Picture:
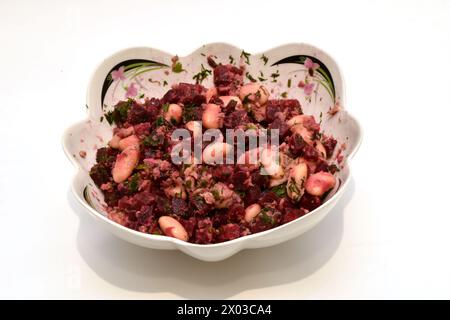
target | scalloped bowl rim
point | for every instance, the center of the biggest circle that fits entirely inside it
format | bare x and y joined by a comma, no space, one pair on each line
243,239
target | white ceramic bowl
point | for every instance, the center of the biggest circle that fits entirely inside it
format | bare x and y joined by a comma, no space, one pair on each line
148,70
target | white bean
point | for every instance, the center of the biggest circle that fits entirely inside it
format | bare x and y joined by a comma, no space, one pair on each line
172,228
174,113
195,127
129,141
321,149
254,93
223,196
216,153
125,163
319,183
176,191
212,117
303,132
296,181
252,211
114,142
226,100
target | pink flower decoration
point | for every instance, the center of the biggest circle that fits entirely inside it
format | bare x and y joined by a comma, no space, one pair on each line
132,90
309,64
308,88
118,74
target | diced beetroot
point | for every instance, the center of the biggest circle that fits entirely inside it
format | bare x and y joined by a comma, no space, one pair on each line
281,126
100,173
268,197
185,93
252,195
229,231
106,156
179,206
227,79
310,153
329,143
222,173
236,118
236,212
145,215
190,225
282,109
296,144
238,178
137,113
310,202
293,214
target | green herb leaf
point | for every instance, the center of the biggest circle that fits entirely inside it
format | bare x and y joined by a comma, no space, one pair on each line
216,195
133,183
230,57
120,112
265,217
265,59
274,76
250,77
284,94
280,190
246,56
177,67
159,121
202,75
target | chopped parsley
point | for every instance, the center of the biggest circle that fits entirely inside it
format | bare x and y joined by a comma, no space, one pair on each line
267,219
189,112
165,83
151,141
188,184
202,75
141,166
265,59
141,96
216,195
246,99
250,77
230,57
261,76
120,112
246,56
177,67
293,188
165,107
133,183
284,94
159,121
289,83
274,76
280,190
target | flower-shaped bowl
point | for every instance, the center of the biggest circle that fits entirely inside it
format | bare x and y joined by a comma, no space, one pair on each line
143,71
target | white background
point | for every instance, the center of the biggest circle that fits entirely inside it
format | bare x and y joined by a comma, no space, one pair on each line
388,238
